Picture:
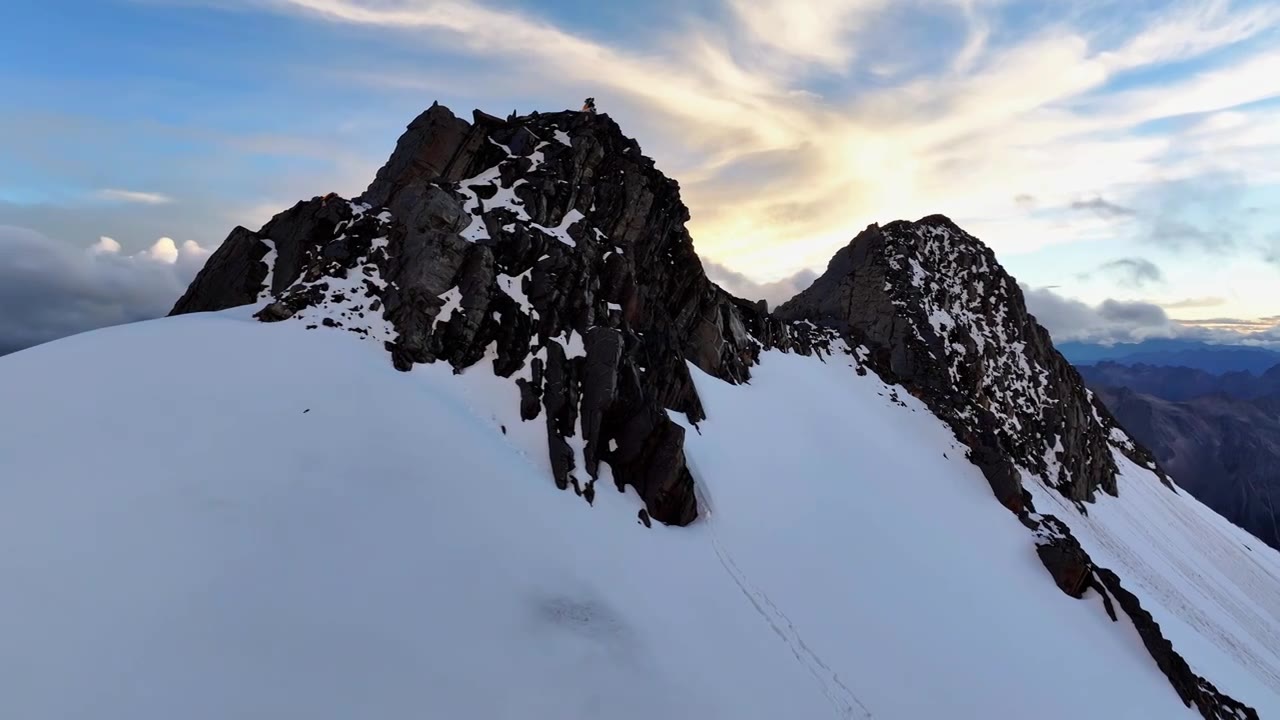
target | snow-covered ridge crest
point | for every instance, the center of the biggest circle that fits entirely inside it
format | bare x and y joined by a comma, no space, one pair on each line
547,244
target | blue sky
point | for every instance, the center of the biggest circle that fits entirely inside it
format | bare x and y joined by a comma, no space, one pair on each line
1124,151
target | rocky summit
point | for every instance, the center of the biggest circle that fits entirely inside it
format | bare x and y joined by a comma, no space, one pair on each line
941,316
551,247
550,238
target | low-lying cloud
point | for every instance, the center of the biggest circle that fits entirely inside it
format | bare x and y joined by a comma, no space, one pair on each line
1115,321
50,289
1108,322
774,293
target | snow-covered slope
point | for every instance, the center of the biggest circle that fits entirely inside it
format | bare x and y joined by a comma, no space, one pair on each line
210,517
246,511
937,313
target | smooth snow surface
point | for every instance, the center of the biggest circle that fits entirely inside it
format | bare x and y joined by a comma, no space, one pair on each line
206,517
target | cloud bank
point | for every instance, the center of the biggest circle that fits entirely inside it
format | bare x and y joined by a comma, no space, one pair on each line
49,289
1115,321
133,196
774,293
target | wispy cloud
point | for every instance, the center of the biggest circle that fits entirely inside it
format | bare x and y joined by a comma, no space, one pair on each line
1109,321
1190,29
792,125
1238,326
1133,272
1195,302
806,30
133,196
1103,208
737,104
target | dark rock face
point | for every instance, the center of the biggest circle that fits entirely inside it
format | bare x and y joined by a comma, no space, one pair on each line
548,244
426,151
232,276
940,316
1063,557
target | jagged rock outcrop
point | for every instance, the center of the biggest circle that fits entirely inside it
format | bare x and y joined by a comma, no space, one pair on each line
940,316
233,275
548,243
1066,561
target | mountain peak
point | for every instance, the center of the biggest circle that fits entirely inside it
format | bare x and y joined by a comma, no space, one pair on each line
548,241
546,259
940,315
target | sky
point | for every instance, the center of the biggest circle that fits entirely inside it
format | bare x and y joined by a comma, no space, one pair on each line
1121,157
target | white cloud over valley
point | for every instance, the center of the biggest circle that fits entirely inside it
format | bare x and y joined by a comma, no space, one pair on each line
50,289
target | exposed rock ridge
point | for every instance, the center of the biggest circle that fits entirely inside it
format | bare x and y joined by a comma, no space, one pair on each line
548,243
941,317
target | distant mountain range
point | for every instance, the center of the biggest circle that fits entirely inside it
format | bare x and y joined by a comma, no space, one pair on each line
1217,435
1183,383
1170,352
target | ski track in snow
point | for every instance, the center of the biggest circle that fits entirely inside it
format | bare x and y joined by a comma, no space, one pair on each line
838,694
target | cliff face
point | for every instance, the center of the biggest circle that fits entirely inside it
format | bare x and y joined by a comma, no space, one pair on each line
547,243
